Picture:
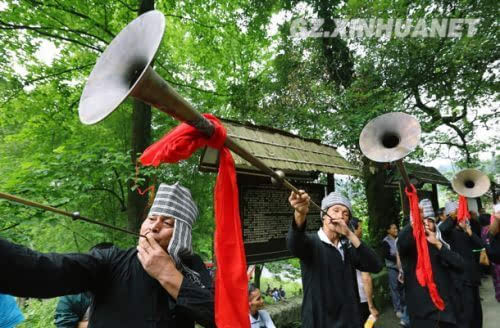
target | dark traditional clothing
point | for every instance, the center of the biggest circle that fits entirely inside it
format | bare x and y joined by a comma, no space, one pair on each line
467,282
71,309
494,249
124,295
331,296
419,303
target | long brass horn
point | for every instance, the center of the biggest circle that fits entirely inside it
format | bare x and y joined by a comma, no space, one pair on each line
470,183
124,70
389,138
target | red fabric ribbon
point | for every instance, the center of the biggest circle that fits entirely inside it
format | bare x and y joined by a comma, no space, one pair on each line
424,268
463,209
231,283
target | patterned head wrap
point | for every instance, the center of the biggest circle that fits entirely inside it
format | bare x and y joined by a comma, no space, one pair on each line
175,201
427,208
335,198
450,207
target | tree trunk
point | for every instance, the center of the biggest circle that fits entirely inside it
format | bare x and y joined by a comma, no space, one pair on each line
141,138
383,207
258,273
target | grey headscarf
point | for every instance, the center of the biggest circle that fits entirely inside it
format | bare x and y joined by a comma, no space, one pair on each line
335,198
426,206
450,207
175,201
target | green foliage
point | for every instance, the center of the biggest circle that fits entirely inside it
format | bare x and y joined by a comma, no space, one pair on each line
285,269
39,313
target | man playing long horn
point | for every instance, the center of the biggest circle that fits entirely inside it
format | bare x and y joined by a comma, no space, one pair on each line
422,310
159,283
328,260
463,240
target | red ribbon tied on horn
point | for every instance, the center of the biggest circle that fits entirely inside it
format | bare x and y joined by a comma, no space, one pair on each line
463,209
424,269
231,283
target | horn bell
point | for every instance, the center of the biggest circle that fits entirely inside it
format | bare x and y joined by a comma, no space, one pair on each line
471,183
390,137
121,66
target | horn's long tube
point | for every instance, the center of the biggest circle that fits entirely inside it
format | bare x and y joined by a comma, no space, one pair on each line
154,90
74,216
402,171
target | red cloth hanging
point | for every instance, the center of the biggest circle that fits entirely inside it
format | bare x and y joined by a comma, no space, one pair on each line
463,209
231,283
424,268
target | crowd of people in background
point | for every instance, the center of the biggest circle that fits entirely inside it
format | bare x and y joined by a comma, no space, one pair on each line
277,294
444,293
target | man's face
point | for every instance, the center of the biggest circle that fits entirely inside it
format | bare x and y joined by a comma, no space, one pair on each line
429,224
393,230
255,301
453,215
335,212
338,212
160,227
473,215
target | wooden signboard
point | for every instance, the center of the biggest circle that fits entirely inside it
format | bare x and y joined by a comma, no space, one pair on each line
266,216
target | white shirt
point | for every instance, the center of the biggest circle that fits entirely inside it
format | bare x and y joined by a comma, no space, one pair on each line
361,290
322,236
263,320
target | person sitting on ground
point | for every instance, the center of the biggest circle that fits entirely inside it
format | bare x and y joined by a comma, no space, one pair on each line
276,294
282,293
258,318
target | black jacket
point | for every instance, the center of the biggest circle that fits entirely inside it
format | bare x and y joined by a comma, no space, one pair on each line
443,262
463,244
386,252
124,294
330,288
494,249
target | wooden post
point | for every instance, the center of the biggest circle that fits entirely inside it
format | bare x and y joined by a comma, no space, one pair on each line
434,200
330,182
